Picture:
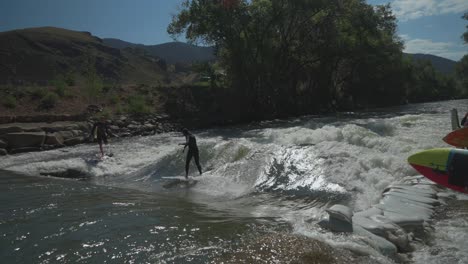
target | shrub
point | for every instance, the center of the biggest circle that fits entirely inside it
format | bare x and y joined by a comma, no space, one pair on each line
37,92
70,79
60,87
137,105
49,101
9,101
114,99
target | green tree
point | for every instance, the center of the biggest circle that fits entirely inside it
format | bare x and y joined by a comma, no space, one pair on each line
291,57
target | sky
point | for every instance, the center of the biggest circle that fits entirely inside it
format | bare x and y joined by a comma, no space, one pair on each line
427,26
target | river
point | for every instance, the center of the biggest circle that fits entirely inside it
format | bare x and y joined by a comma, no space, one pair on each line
271,179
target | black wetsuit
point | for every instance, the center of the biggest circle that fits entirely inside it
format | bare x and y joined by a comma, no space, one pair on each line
102,131
192,152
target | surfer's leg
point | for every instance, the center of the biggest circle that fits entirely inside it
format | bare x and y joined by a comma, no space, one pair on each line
102,150
99,140
197,161
187,163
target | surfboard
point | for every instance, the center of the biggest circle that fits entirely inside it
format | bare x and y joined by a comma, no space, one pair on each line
457,138
173,181
444,166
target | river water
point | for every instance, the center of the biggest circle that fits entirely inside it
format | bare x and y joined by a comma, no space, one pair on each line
270,179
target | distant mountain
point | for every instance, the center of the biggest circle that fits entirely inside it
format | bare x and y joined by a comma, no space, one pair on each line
442,65
40,54
172,52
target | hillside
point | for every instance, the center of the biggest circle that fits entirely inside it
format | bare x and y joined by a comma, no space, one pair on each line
38,55
172,52
442,65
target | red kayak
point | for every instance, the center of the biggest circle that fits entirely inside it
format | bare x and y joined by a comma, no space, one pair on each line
457,138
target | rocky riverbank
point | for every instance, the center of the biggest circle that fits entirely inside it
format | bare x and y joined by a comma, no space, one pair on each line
50,132
398,223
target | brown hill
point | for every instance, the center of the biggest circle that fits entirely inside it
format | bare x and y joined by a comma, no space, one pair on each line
38,55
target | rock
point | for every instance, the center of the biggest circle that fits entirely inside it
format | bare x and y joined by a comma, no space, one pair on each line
24,139
407,222
3,152
382,245
3,144
340,212
340,218
25,149
114,128
369,212
133,127
148,127
73,141
406,208
66,134
446,195
93,109
34,129
7,119
54,139
10,129
381,226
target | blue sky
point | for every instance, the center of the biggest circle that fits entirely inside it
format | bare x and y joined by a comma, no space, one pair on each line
427,26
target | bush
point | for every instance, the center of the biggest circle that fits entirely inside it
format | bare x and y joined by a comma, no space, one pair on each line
114,99
60,88
70,79
9,101
138,105
37,92
49,101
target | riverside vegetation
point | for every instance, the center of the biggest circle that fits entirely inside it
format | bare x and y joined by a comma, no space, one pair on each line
273,59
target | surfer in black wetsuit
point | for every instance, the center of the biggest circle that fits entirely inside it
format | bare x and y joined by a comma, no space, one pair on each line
102,132
191,142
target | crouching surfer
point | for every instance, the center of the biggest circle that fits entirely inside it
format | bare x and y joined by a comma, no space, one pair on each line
191,143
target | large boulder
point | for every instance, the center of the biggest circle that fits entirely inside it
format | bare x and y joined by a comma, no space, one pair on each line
74,141
54,139
69,134
25,149
384,246
24,139
10,129
3,144
340,218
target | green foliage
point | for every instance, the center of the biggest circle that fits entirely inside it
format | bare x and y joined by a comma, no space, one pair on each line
70,79
114,99
9,101
60,86
106,114
297,56
138,105
49,101
37,93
